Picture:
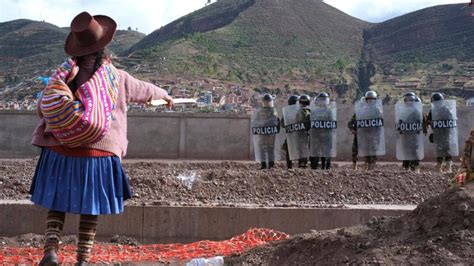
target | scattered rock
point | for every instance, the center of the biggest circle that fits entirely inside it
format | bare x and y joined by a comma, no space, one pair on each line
123,240
242,183
396,241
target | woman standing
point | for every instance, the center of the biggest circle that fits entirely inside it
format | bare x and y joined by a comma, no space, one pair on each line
83,135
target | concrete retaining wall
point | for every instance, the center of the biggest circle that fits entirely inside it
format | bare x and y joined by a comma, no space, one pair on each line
200,136
188,224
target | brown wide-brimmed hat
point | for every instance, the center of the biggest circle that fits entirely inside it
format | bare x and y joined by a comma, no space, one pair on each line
89,34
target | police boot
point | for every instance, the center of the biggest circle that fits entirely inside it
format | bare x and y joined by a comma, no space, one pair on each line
302,163
370,166
439,167
263,165
417,169
271,165
406,165
323,163
314,162
366,166
328,164
449,167
354,166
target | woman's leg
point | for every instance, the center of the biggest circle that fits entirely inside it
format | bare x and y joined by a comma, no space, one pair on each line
54,227
87,230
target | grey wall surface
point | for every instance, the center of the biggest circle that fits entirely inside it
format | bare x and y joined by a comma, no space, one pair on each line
165,224
16,129
203,136
188,136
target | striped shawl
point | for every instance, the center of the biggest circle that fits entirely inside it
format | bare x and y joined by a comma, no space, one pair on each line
83,117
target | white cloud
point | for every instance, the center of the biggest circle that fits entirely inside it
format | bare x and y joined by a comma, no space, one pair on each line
381,10
148,15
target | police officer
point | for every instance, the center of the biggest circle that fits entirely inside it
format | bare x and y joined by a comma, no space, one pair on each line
304,115
321,142
441,137
266,144
292,100
370,136
352,125
410,141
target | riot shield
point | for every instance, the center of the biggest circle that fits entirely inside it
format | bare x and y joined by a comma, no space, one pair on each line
370,128
409,126
445,129
265,127
296,132
323,130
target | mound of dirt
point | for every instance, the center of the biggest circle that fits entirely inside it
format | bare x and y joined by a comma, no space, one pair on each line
440,231
242,183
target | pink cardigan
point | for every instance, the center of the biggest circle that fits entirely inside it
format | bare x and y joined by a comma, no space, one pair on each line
115,141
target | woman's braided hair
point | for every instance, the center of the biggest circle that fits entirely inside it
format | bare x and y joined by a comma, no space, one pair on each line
99,59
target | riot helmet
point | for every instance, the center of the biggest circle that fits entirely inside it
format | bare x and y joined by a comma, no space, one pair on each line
267,100
437,97
371,95
322,99
305,100
293,99
409,97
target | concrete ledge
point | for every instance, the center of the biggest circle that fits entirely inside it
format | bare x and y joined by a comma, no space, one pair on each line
160,224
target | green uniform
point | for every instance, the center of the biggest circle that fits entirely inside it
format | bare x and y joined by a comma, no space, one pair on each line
304,115
352,125
284,147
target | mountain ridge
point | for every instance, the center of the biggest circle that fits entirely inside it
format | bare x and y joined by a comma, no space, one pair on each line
274,44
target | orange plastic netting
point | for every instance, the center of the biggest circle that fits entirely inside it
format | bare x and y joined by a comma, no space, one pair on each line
109,253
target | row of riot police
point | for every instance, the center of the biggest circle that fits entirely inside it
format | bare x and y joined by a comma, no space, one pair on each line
309,126
310,131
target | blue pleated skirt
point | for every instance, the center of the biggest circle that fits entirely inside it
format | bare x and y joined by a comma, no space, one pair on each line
80,185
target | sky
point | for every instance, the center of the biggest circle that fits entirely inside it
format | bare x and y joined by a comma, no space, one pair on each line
149,15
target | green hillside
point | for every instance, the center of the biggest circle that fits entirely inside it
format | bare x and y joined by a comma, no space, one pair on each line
265,42
29,49
273,44
425,51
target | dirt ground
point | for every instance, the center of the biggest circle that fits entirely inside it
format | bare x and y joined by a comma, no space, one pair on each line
37,241
440,231
242,183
